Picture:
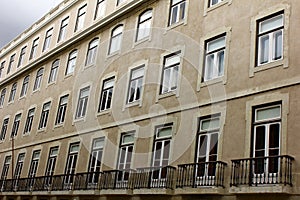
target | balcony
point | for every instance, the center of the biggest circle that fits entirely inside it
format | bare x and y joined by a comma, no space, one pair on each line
209,176
265,174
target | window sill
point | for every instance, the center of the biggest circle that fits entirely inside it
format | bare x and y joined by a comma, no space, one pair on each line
77,120
133,104
11,102
50,84
58,126
267,66
36,91
166,95
41,130
172,26
212,82
113,54
89,65
136,43
26,134
22,97
69,75
104,112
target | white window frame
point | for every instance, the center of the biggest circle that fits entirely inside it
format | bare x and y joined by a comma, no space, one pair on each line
81,14
62,110
100,9
116,39
54,71
176,9
71,62
144,25
92,52
38,79
82,103
106,89
25,86
47,40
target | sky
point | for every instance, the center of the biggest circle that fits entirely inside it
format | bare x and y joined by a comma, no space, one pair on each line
18,15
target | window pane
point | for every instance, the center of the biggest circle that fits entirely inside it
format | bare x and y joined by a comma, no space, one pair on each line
216,44
221,56
278,45
268,113
272,23
128,139
260,132
264,49
164,132
274,136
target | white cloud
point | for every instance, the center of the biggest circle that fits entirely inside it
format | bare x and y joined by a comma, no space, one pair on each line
18,15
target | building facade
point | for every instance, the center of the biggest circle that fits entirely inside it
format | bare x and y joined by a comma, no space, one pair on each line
143,99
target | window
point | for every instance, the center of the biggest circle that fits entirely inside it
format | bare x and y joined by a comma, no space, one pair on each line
92,52
51,165
2,97
120,1
4,129
214,2
214,58
71,62
270,39
34,164
63,29
100,9
12,92
44,115
47,39
71,164
34,48
2,68
177,11
116,39
16,125
19,166
106,94
135,84
95,160
266,139
25,86
82,102
29,121
5,168
80,18
22,56
144,25
62,108
125,155
170,73
207,146
38,79
53,71
11,62
161,151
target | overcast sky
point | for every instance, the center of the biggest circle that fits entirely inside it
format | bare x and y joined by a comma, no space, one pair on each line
18,15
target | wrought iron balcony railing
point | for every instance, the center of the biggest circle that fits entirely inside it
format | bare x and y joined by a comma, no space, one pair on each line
270,170
87,181
201,174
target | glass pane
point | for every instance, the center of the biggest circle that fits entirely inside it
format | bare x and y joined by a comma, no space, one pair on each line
137,73
108,83
264,49
268,113
166,150
203,146
216,44
260,132
74,148
209,66
129,138
221,56
172,60
210,124
270,24
98,143
146,15
213,144
164,132
274,136
278,45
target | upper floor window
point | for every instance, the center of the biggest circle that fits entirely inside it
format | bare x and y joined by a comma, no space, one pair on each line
29,121
95,160
270,39
214,58
22,56
34,48
16,125
135,84
4,128
2,97
92,52
44,115
25,86
177,11
12,92
2,68
11,62
144,25
63,29
170,73
5,168
106,94
51,163
47,39
100,9
33,167
214,2
80,18
71,62
53,71
82,102
116,39
38,79
62,109
120,1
